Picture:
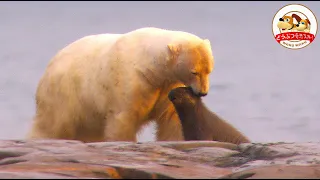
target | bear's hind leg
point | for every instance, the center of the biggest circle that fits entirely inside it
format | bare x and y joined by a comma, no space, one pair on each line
40,129
35,132
54,124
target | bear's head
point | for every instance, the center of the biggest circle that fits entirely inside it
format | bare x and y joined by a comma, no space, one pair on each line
193,64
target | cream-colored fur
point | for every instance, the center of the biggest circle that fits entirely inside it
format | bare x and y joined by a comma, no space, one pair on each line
106,87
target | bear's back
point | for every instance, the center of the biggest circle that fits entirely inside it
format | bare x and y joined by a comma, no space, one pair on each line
158,37
159,31
83,49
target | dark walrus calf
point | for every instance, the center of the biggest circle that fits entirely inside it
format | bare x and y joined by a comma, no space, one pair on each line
198,122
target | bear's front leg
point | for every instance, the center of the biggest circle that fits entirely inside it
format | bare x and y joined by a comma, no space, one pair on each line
169,127
121,127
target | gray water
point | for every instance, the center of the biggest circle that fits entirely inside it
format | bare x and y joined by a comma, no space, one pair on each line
267,91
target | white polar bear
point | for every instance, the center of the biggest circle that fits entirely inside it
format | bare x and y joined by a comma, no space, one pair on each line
106,87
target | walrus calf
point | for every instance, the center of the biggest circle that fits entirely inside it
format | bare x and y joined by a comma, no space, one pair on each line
198,122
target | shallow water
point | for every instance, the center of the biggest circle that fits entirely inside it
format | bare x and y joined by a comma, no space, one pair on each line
267,91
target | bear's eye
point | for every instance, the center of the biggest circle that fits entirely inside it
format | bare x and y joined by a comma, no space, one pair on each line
194,73
302,23
287,19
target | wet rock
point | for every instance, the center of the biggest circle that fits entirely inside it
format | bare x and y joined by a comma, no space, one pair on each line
265,152
13,152
28,175
184,145
278,171
39,159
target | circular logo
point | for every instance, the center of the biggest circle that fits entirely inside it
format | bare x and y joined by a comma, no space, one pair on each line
294,26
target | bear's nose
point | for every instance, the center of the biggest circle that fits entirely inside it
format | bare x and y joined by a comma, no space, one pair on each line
280,19
202,94
297,25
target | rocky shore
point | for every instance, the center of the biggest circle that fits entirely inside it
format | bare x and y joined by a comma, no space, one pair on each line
62,159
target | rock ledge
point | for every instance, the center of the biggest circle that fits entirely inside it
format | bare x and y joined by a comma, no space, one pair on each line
62,159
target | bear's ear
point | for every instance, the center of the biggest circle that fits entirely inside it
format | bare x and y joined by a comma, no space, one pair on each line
207,42
175,49
308,21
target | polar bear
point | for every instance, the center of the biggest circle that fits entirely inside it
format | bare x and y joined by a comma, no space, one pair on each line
106,87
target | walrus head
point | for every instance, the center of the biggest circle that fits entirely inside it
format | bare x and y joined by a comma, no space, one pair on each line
183,97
